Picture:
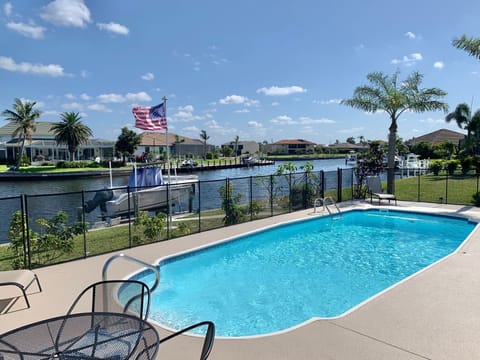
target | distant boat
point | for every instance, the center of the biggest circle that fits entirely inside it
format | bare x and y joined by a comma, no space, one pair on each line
413,165
351,158
147,190
251,160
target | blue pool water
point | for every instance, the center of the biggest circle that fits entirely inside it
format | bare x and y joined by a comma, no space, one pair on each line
280,277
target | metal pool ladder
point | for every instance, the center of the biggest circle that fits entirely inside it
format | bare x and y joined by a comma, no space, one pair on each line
135,260
325,202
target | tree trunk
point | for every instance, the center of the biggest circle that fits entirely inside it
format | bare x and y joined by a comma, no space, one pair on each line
20,155
392,141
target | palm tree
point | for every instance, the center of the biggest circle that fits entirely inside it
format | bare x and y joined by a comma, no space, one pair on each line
23,116
178,141
463,116
235,144
71,132
395,97
470,45
204,137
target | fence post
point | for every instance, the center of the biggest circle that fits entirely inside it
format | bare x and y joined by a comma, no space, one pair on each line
199,206
24,222
351,182
290,192
251,198
418,188
169,211
446,189
271,194
129,218
84,226
28,254
339,184
305,192
322,179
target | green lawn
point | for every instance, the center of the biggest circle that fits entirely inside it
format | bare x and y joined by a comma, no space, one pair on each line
459,189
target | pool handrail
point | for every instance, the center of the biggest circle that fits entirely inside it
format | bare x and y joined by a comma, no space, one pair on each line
135,260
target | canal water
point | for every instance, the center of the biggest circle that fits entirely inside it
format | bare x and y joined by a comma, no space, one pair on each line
15,188
46,197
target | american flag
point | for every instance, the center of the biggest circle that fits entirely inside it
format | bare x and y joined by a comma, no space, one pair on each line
150,118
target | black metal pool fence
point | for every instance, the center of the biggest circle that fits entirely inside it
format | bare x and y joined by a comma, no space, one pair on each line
41,238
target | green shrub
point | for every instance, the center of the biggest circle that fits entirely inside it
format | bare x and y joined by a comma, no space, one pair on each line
451,166
75,164
435,166
466,164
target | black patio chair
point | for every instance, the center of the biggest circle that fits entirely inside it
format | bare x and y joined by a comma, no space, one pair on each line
208,339
108,320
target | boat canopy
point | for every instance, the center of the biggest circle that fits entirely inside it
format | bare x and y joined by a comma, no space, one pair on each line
151,176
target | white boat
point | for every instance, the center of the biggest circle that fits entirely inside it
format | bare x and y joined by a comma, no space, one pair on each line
147,190
412,165
251,160
351,158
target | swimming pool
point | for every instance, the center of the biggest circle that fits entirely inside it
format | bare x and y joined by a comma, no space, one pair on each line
280,277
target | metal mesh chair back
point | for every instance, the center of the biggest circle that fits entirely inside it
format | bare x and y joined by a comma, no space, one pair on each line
114,296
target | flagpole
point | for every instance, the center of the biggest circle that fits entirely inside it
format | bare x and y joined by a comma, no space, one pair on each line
169,186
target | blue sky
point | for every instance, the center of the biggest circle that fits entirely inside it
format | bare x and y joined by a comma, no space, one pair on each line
262,70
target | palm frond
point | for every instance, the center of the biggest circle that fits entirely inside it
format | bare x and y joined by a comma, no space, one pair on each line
470,45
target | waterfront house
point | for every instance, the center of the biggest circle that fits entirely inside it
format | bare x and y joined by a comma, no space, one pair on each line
179,146
437,137
290,147
243,147
43,147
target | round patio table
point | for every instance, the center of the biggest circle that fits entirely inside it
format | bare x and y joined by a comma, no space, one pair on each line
96,335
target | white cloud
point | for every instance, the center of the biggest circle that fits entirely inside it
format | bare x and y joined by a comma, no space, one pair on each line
283,120
73,106
99,107
410,35
185,113
188,108
85,97
254,124
433,121
70,96
66,13
31,31
7,9
438,64
213,124
191,129
114,28
84,74
148,76
9,64
408,60
275,103
281,91
328,102
238,99
307,120
242,111
118,98
304,120
351,130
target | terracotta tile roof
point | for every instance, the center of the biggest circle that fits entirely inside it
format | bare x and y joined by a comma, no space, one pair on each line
293,142
438,137
158,139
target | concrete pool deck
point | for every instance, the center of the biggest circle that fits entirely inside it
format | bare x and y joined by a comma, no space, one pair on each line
434,315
